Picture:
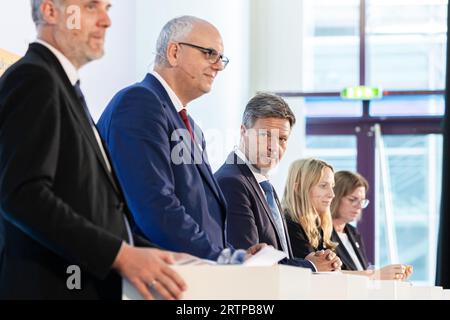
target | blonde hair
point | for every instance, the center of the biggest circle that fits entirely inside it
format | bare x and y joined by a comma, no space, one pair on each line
345,183
303,176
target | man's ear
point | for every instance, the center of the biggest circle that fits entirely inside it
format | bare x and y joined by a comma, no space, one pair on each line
243,130
243,134
50,12
172,54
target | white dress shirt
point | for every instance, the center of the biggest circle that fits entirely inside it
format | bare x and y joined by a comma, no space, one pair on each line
172,95
256,173
259,178
346,242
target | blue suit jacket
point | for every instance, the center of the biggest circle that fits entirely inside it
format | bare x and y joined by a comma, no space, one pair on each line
169,186
249,219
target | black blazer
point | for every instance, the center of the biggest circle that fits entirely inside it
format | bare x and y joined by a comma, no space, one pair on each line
299,240
249,219
358,245
59,205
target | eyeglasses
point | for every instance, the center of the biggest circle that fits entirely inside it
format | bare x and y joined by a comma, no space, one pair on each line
355,201
211,55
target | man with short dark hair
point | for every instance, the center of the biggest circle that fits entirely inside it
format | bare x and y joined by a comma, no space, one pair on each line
254,212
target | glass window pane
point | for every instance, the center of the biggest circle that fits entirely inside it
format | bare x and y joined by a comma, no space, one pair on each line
408,106
332,107
415,168
331,45
406,44
339,151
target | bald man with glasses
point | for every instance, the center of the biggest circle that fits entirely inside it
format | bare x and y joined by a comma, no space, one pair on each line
159,151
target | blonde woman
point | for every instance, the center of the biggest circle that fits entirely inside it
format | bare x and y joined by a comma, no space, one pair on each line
307,202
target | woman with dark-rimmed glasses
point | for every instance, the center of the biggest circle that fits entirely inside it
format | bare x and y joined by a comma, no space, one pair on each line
350,198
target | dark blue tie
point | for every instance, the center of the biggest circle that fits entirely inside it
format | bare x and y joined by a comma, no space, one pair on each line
80,96
270,197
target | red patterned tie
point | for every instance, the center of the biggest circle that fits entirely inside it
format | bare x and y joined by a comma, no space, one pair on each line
184,116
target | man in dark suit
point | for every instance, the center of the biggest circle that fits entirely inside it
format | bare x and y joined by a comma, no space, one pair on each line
253,209
159,151
66,233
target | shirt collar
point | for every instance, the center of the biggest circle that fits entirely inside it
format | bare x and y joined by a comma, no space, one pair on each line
173,97
68,67
256,173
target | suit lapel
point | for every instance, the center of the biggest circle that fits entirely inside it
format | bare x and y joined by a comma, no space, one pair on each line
245,170
197,148
343,253
199,152
357,247
88,132
75,106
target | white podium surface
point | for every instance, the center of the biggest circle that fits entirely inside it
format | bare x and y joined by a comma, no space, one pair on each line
281,282
446,294
338,286
239,283
424,293
387,289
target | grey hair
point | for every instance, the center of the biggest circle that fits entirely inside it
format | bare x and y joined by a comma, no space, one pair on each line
267,105
176,29
36,13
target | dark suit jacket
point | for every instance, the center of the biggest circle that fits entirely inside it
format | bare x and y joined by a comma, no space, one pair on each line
168,183
249,219
358,245
299,240
59,204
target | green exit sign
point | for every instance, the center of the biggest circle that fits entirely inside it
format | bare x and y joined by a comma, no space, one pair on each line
362,93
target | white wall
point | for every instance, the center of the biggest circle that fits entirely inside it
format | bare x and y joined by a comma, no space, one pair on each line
277,44
262,38
103,78
16,26
99,79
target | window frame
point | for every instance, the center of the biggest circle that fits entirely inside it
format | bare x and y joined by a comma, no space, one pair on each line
363,128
